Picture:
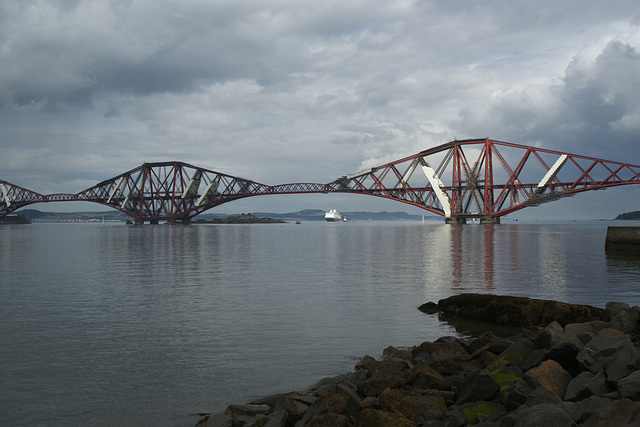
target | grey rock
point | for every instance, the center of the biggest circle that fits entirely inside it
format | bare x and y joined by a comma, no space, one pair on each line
364,362
246,410
533,358
545,414
454,416
625,321
550,335
215,420
482,388
498,345
583,409
359,376
433,351
353,403
584,331
621,412
612,309
587,384
614,353
277,419
542,395
325,385
629,386
550,375
392,353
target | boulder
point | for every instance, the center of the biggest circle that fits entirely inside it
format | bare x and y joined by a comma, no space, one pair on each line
616,354
629,386
545,414
428,352
516,311
581,410
549,375
619,412
482,388
587,384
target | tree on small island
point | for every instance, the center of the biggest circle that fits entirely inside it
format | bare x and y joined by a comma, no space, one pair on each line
629,215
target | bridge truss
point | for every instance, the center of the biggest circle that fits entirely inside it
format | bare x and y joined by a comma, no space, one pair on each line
474,178
486,179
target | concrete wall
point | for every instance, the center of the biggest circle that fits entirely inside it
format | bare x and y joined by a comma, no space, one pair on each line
623,239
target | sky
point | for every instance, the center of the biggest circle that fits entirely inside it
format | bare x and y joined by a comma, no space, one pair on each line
286,91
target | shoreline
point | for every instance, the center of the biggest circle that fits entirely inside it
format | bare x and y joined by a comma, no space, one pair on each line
581,370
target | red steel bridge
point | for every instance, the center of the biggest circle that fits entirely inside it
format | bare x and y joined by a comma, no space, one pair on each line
459,180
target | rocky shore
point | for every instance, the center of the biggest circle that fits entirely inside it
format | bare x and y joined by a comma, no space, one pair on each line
581,368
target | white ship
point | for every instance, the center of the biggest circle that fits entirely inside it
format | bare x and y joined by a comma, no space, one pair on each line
333,216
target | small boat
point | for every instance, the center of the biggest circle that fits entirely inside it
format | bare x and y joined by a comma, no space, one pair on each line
333,216
298,222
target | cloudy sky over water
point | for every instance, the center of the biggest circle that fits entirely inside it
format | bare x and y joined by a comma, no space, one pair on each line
305,91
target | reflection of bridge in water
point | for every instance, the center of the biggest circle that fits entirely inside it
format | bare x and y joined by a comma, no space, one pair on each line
460,180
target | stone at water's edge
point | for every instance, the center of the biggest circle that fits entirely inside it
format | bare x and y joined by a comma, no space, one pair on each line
580,374
512,311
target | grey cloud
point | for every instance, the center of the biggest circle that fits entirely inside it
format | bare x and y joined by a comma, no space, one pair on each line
301,90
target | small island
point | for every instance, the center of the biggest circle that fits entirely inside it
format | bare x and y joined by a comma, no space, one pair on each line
241,219
14,219
635,215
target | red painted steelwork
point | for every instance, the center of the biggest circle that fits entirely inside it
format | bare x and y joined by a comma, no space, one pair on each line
473,179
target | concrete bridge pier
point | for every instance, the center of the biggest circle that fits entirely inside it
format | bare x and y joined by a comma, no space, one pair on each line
455,220
490,220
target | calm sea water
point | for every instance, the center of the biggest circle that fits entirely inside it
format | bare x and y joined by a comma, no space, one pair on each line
144,325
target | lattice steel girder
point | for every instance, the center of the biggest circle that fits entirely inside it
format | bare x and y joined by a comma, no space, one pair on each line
480,181
474,178
13,197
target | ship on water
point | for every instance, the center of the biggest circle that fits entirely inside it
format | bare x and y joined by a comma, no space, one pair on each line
333,216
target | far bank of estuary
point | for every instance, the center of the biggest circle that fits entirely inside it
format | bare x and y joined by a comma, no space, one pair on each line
36,216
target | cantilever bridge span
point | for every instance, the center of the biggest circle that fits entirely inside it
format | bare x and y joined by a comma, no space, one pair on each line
462,179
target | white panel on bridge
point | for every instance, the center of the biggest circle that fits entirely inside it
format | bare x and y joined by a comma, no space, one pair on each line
437,186
117,189
213,186
357,174
192,188
5,194
407,175
552,171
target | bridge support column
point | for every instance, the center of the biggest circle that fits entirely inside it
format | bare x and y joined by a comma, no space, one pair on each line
153,222
490,220
139,221
455,220
171,221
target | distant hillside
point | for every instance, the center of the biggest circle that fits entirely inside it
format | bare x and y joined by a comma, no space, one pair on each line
38,216
318,215
629,215
304,215
242,219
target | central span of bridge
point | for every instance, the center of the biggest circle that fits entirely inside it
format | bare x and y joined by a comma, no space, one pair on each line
463,179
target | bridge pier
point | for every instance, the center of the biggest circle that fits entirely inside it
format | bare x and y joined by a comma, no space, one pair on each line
490,220
455,220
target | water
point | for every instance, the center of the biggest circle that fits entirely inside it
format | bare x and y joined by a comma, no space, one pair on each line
128,325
